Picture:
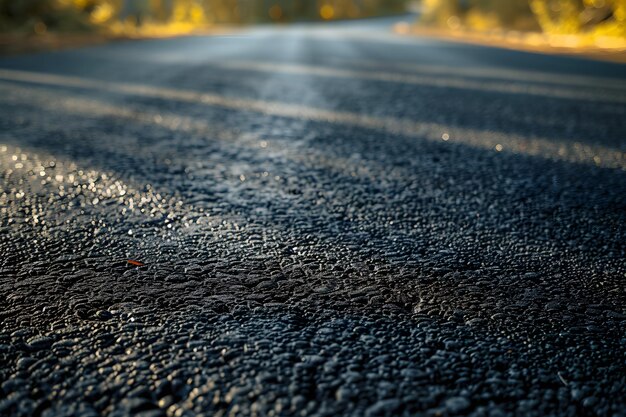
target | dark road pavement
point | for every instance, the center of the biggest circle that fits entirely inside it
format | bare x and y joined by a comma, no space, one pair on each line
333,221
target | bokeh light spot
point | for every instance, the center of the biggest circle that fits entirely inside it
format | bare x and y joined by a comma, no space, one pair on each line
327,12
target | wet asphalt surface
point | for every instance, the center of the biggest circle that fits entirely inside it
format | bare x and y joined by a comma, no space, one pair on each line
331,220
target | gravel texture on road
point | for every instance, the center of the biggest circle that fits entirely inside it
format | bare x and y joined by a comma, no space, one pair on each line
358,227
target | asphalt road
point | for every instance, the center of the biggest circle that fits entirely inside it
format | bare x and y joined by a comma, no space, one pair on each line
333,221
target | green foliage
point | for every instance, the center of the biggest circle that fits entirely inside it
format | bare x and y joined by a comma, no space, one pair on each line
39,15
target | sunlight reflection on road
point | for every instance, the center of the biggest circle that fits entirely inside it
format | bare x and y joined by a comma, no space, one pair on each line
553,148
436,81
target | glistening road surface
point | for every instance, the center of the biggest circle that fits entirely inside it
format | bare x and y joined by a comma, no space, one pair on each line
333,221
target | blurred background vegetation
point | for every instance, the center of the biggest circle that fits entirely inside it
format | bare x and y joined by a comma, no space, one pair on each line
559,17
592,20
39,16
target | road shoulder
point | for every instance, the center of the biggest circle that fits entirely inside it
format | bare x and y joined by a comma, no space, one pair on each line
530,42
19,43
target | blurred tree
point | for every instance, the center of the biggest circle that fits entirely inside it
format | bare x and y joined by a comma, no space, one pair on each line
135,11
38,15
606,17
74,14
558,16
575,16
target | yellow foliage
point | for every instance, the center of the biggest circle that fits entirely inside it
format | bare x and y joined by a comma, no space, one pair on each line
103,13
481,21
276,12
135,15
327,12
554,17
80,3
